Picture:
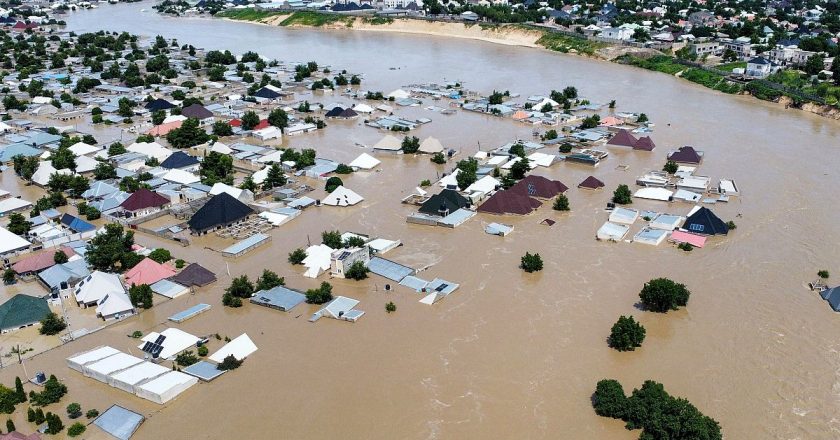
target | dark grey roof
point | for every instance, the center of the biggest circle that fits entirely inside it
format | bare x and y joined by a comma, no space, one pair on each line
197,111
223,209
705,222
194,275
179,159
448,200
280,298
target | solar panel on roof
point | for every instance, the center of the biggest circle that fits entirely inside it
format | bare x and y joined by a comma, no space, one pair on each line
531,190
160,339
441,287
147,347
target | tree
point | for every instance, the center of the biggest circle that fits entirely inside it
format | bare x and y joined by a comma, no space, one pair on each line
248,183
321,295
91,413
230,362
18,224
20,394
642,118
269,280
25,167
63,158
54,424
332,239
410,145
561,203
76,429
729,55
609,399
240,287
60,257
670,167
141,296
661,295
160,255
835,71
52,324
52,392
823,274
9,276
357,271
531,262
333,183
626,334
189,134
124,108
216,167
343,169
622,195
104,171
203,350
590,122
40,418
74,410
814,64
222,128
116,148
297,256
78,185
519,169
275,177
250,120
570,92
185,359
278,118
158,116
467,175
8,400
438,158
10,425
107,251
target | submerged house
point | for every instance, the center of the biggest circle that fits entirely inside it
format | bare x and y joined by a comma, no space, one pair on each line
686,155
509,202
705,222
444,203
143,202
624,139
539,186
220,211
342,259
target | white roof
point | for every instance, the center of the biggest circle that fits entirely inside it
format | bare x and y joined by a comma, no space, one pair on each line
83,149
542,159
388,143
241,347
431,145
554,104
612,231
480,155
10,242
485,184
365,161
150,149
269,133
260,176
176,341
219,147
85,164
174,118
274,156
94,355
497,160
399,94
12,204
363,108
653,193
96,286
449,179
274,218
339,306
686,195
117,362
115,302
237,193
180,176
624,215
45,170
317,260
342,197
166,382
139,373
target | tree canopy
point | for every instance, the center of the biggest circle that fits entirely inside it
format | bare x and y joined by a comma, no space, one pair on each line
626,334
661,295
111,251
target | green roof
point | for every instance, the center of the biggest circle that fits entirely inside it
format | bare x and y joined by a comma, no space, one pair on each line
22,310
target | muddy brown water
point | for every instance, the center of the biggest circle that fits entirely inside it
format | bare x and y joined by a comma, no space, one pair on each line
512,355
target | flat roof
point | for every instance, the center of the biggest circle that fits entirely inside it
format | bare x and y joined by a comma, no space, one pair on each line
114,363
119,422
246,244
93,355
203,370
389,269
166,382
189,313
279,297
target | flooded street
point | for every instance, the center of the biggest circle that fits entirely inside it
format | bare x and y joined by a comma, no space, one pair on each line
509,354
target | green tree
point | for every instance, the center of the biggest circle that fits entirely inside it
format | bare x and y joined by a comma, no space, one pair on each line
107,251
25,167
275,177
390,307
438,158
670,167
74,410
410,145
92,413
814,64
823,274
222,128
467,175
60,257
52,324
250,120
622,195
835,70
343,169
216,167
321,295
54,424
561,203
160,255
333,183
52,392
186,358
626,334
729,55
661,295
531,262
20,394
519,169
116,148
63,158
9,276
269,280
10,425
353,241
239,288
158,116
609,399
189,134
76,429
141,296
357,271
297,256
332,239
104,171
278,118
18,224
229,363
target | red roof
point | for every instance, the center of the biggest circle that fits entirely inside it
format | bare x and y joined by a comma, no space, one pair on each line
148,272
591,182
235,123
15,435
539,186
508,202
623,139
645,144
142,199
238,123
39,261
686,155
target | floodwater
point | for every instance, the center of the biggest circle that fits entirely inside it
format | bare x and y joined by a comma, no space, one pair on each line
513,355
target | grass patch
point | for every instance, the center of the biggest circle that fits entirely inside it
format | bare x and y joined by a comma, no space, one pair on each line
669,65
247,14
566,43
315,19
736,65
377,20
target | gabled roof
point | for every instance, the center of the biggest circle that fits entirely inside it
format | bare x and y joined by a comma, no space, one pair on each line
686,155
448,200
144,198
179,159
21,310
705,222
40,261
644,143
222,209
159,104
538,186
194,275
148,271
508,202
76,224
335,112
591,182
197,111
266,93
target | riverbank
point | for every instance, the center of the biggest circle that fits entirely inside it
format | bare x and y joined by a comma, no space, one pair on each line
533,37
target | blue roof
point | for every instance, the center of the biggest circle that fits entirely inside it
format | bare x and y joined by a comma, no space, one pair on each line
179,159
389,269
247,243
119,422
189,313
40,138
76,224
67,272
203,370
6,154
280,298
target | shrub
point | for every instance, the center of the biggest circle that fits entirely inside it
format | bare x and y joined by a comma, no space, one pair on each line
160,255
626,334
687,247
231,301
52,324
137,334
561,203
670,167
661,295
390,307
297,256
731,225
343,169
321,295
622,195
333,183
425,182
823,274
74,410
203,351
76,429
531,262
229,363
10,425
186,358
179,263
438,158
357,271
91,413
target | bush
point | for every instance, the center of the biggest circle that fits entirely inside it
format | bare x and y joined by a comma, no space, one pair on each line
390,307
626,334
186,358
203,351
333,183
561,203
425,182
332,239
136,334
731,225
622,195
76,429
823,274
531,262
670,167
687,247
438,158
91,413
10,425
231,301
357,271
343,169
297,256
661,295
52,392
179,263
74,410
229,363
321,295
160,255
52,324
